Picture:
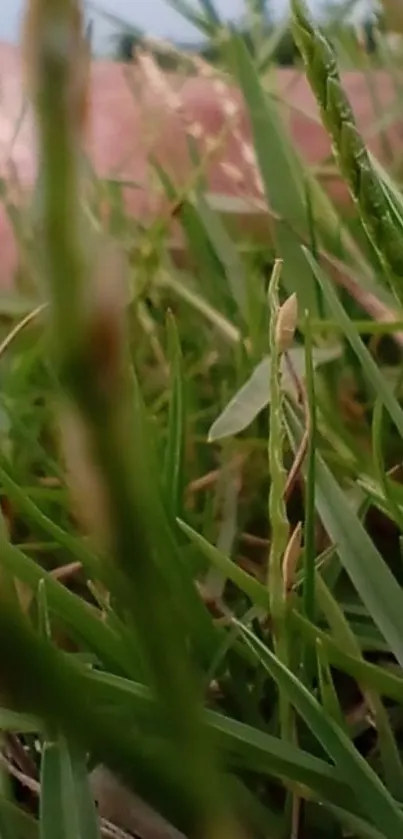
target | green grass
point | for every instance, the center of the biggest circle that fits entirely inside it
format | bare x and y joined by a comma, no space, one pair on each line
200,537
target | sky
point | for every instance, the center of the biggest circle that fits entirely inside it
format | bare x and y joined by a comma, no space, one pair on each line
154,16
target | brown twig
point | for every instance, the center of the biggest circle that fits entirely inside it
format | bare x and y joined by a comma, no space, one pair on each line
64,572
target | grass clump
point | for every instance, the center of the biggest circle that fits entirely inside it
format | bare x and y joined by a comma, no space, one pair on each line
201,498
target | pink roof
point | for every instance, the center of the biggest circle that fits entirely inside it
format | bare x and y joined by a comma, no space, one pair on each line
130,118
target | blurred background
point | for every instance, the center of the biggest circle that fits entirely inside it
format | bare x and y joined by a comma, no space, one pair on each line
159,18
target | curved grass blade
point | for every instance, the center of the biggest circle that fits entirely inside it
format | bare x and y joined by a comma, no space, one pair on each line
254,395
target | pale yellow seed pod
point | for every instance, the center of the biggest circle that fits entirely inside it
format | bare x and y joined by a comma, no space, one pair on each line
291,558
287,323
